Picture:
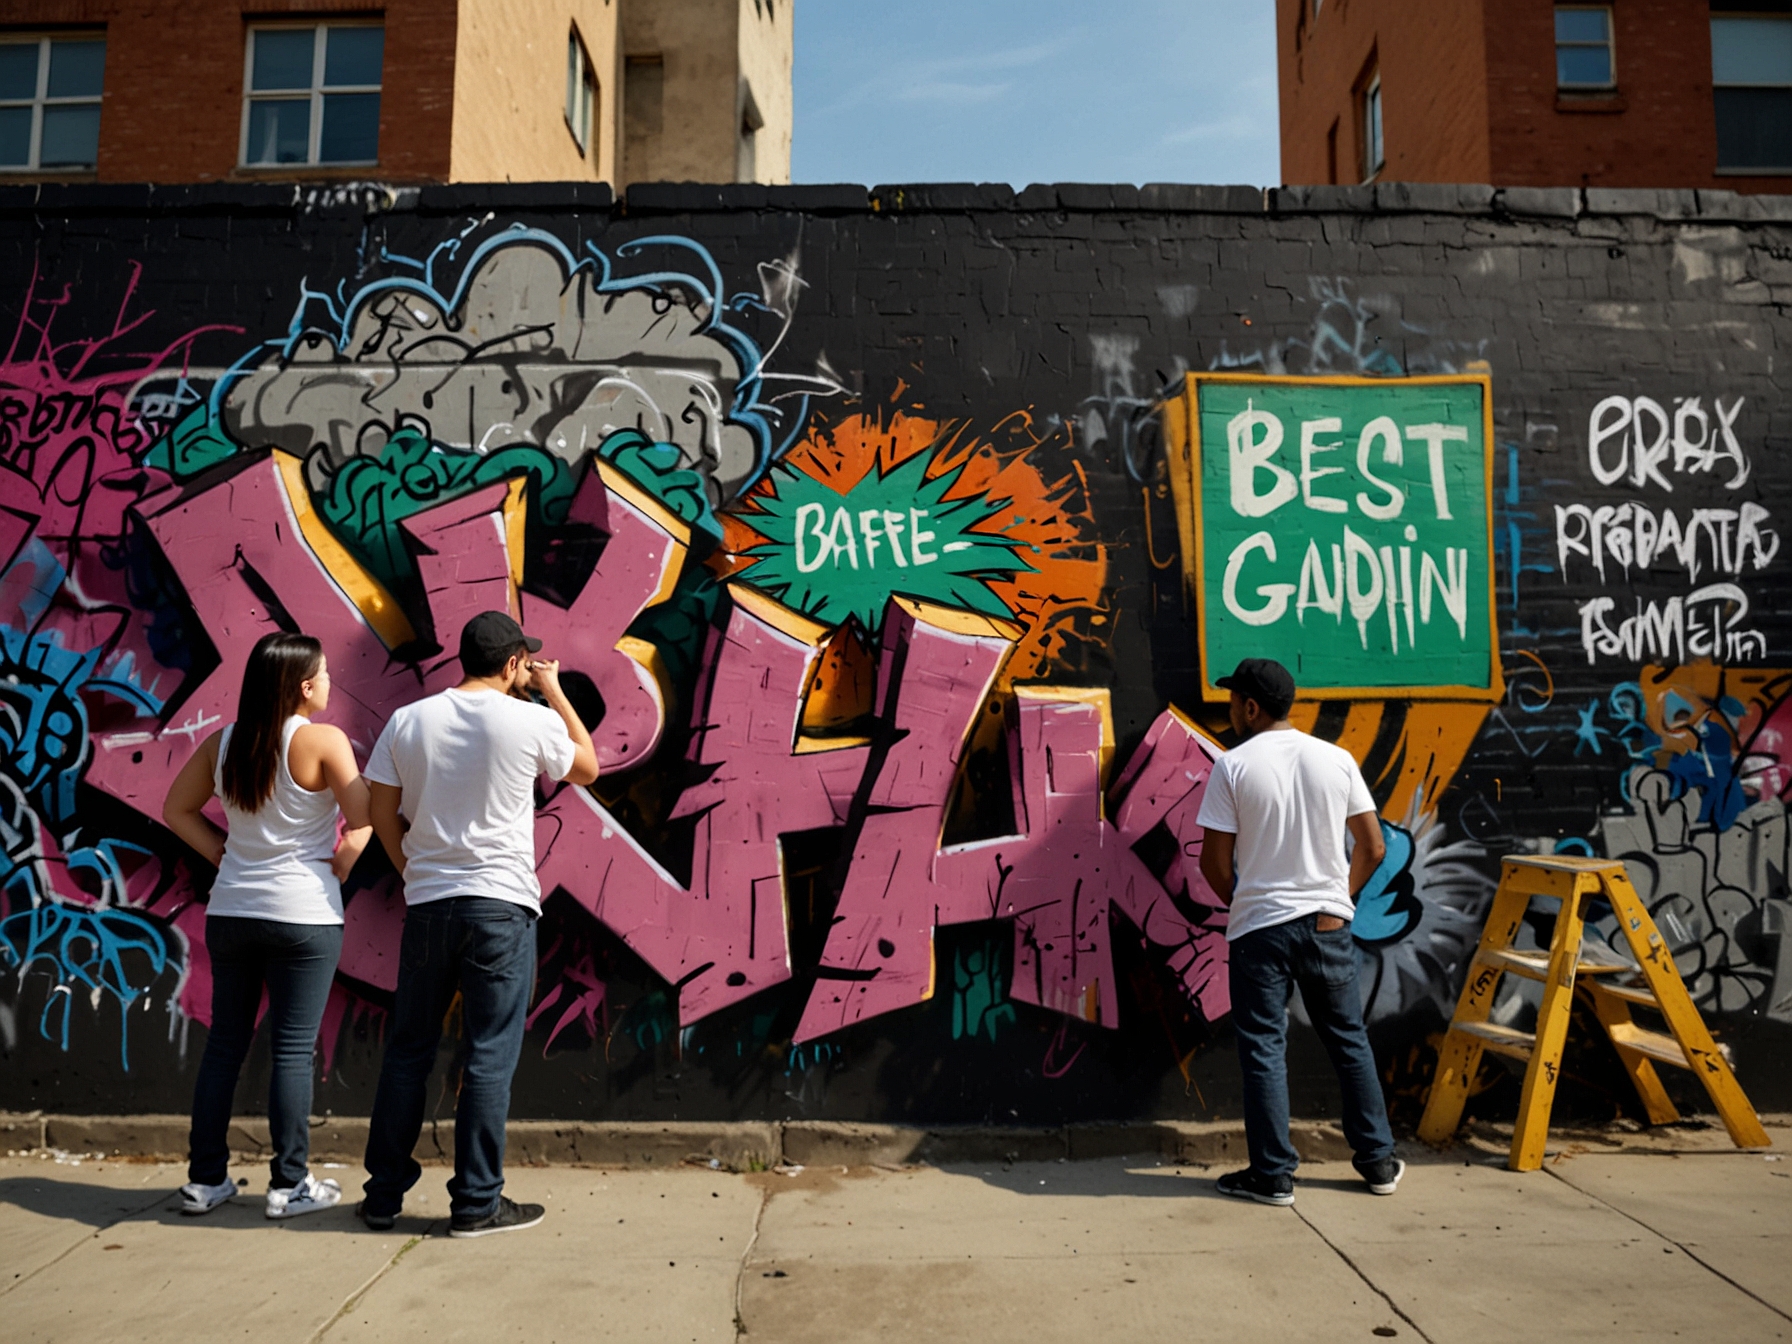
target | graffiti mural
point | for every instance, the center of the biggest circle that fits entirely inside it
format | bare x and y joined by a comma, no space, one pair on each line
896,646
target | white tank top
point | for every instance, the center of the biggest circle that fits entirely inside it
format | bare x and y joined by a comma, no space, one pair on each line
277,859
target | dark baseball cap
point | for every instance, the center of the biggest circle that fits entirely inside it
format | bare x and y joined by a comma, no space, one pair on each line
1264,680
490,637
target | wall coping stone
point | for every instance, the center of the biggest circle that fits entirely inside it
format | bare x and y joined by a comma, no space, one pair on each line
1542,202
1297,200
682,198
897,197
456,197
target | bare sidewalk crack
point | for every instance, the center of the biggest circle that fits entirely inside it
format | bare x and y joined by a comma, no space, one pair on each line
1370,1283
740,1275
161,1198
1681,1246
354,1298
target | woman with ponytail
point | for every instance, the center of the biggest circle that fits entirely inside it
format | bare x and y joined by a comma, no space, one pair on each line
274,923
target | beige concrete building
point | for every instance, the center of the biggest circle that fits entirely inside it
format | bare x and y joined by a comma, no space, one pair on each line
614,91
679,58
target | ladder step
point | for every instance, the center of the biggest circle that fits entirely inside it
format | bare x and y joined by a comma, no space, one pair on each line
1535,965
1662,1049
1632,994
1501,1040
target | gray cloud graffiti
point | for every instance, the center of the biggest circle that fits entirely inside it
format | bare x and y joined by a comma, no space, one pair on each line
530,356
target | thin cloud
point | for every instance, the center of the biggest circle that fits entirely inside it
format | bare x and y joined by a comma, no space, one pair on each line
1007,58
1239,127
932,81
943,91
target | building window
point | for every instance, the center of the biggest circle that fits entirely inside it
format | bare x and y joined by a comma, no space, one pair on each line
313,95
581,92
50,103
1751,74
1373,156
1583,48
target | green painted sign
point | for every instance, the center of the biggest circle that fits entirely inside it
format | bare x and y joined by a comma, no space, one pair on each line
1341,526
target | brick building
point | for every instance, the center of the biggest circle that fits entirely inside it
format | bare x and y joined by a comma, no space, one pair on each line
1634,93
403,90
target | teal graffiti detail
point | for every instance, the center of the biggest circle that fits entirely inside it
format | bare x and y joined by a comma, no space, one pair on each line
650,1021
195,444
832,572
659,469
979,993
677,626
369,496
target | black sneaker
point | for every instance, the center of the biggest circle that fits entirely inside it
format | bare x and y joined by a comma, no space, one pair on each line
509,1216
1253,1184
376,1222
1383,1176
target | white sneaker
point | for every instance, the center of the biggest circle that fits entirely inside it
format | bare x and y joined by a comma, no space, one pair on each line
308,1196
196,1199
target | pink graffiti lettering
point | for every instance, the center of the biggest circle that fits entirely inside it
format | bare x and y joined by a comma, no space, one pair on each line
724,937
643,551
1057,878
66,422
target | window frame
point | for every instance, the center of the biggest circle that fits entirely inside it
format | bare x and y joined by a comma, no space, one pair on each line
581,81
319,30
1751,170
40,98
1610,46
1372,125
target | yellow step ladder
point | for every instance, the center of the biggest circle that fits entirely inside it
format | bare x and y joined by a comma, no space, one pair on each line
1576,883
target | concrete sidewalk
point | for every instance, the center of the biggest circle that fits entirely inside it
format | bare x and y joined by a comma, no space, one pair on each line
1632,1245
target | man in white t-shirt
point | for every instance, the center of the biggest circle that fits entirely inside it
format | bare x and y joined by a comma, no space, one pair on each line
1276,811
452,780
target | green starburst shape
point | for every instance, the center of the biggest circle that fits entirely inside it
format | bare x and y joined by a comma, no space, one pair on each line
834,556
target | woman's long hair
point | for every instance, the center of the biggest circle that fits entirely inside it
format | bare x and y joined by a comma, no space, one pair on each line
273,681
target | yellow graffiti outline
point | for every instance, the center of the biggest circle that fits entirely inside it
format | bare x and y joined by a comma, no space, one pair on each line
804,630
377,606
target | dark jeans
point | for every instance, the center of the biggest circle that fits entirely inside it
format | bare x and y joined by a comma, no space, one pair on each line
1265,967
485,950
295,964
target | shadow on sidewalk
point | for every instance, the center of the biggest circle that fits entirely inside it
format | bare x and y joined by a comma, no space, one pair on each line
1138,1178
1095,1178
105,1205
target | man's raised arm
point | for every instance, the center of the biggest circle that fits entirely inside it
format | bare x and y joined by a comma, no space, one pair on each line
544,676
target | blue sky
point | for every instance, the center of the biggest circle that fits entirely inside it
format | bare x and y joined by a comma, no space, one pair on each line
1026,91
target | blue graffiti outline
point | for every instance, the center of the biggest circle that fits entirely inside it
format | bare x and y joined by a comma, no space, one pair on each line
52,934
1386,909
1587,734
40,670
747,410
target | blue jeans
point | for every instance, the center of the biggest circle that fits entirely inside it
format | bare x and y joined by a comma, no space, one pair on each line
295,964
485,951
1265,966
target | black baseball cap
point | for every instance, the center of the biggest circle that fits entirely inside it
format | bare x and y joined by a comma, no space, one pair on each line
1264,680
491,637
